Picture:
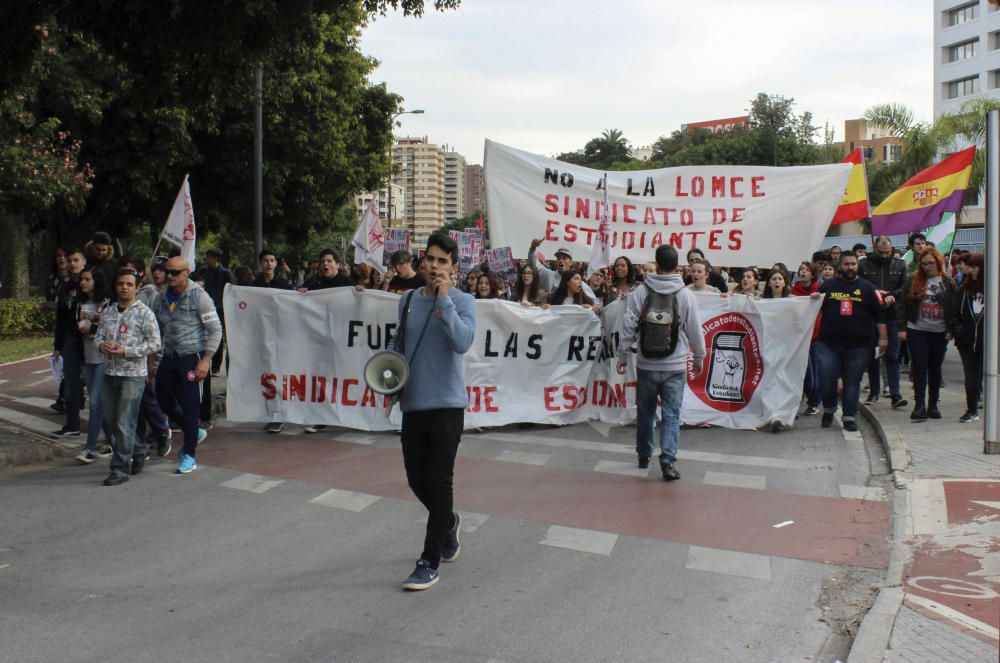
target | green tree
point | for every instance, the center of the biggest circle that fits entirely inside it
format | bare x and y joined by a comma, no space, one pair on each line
924,143
601,152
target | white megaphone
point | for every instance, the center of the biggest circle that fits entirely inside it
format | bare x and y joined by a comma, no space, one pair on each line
386,373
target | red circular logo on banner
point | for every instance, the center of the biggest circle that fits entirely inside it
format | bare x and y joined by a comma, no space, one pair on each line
242,305
733,366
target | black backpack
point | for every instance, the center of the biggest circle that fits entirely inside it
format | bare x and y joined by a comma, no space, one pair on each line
659,325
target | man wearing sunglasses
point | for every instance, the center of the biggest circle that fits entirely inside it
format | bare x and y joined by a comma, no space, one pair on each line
191,333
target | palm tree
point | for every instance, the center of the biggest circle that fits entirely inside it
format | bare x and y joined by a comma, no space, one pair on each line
610,147
925,143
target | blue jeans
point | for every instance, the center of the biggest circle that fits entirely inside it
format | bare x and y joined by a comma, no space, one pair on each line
891,358
847,364
93,377
669,386
121,396
150,414
810,386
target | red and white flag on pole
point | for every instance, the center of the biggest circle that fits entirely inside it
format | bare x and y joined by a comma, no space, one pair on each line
369,240
600,253
179,229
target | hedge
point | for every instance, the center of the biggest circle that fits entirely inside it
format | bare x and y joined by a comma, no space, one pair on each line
20,317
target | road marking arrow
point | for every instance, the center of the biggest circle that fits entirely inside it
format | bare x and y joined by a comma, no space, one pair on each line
992,505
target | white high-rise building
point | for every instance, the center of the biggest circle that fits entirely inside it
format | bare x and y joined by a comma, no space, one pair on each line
966,52
454,186
421,174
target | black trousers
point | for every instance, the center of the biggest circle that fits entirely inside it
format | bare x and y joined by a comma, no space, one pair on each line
972,366
430,441
927,350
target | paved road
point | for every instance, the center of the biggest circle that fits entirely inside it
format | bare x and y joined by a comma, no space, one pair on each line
293,547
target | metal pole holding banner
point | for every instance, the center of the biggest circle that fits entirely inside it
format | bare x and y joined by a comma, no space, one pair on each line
991,367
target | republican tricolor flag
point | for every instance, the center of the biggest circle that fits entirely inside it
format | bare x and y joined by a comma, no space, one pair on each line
854,204
924,198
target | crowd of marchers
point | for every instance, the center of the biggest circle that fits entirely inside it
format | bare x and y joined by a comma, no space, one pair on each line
140,343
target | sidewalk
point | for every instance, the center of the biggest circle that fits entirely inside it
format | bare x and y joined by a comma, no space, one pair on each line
942,596
20,447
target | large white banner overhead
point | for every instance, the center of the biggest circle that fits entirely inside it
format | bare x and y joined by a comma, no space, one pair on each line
300,358
737,215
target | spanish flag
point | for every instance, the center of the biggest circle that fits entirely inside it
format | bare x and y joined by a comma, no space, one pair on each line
925,197
854,204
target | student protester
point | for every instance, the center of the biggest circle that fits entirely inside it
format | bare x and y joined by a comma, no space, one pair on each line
152,425
103,257
598,285
777,285
93,299
699,278
623,280
835,254
571,291
329,274
268,277
437,327
805,286
715,280
527,290
888,275
487,287
927,321
971,304
377,280
158,272
853,308
69,344
749,282
215,278
128,335
548,279
826,273
916,243
59,275
406,277
861,251
191,331
662,376
244,275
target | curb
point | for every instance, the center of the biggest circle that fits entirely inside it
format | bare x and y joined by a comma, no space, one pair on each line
872,639
30,448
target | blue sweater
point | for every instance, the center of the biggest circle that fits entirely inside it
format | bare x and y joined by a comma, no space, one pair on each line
437,375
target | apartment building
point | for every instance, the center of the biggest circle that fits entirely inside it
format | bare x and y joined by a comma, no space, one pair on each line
454,186
475,200
421,173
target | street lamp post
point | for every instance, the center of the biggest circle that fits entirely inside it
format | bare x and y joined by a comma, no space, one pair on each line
392,123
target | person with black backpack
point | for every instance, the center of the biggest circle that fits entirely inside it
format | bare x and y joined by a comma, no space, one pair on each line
662,315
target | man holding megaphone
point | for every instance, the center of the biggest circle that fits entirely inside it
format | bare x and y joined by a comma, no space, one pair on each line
437,326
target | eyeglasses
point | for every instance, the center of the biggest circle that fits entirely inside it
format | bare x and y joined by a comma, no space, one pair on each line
174,272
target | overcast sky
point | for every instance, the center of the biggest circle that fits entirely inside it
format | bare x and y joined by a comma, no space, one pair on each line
547,76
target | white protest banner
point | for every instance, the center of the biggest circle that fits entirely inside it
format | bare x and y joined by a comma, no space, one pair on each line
396,239
299,357
369,239
179,228
738,215
501,262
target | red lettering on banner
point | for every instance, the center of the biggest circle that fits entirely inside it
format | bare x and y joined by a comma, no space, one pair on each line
738,214
550,236
735,240
755,191
267,381
569,232
680,194
583,208
345,397
481,399
732,187
368,398
718,216
296,387
551,203
713,240
687,217
649,218
625,210
697,186
318,389
718,187
547,397
666,214
333,390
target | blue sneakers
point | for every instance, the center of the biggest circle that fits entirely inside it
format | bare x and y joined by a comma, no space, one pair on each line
423,577
187,464
202,434
451,547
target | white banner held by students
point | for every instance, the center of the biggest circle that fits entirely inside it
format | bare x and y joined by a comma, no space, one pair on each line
738,215
180,229
300,358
